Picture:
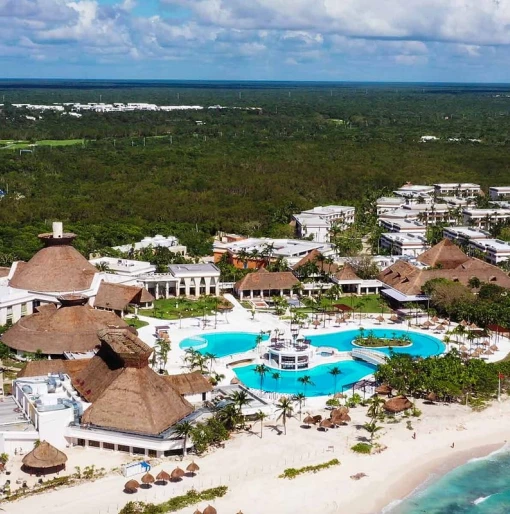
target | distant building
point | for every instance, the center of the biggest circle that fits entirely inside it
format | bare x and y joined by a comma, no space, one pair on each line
463,235
403,226
499,193
484,218
404,244
318,222
414,191
389,204
464,190
170,242
495,250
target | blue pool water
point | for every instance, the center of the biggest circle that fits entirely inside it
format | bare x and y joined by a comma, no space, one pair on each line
222,344
481,486
423,345
323,382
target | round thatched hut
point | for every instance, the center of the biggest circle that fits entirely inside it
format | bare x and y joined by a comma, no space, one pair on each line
44,459
210,510
397,404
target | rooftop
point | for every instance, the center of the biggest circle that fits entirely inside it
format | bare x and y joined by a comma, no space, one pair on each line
494,244
449,185
405,238
468,232
281,247
124,265
187,270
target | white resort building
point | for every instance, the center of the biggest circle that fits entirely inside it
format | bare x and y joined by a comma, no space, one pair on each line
158,241
484,218
465,190
463,235
499,193
495,250
404,244
317,223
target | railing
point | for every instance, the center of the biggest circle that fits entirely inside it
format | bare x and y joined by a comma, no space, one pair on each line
370,356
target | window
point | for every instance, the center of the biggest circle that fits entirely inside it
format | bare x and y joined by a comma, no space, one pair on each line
122,448
138,451
80,442
153,453
94,444
108,446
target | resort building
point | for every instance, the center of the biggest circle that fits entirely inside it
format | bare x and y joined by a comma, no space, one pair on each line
404,244
119,298
114,402
424,212
266,284
126,267
404,226
347,279
499,193
495,250
158,241
465,190
484,218
463,235
183,279
317,223
257,252
404,280
389,204
414,191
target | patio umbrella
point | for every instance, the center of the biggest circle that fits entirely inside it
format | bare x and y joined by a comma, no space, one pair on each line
432,397
163,476
309,420
147,479
131,486
339,320
464,323
380,318
210,510
486,343
316,323
394,318
383,389
193,468
177,474
325,424
440,328
488,352
197,512
339,395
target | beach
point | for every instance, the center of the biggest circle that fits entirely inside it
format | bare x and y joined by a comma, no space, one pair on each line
250,465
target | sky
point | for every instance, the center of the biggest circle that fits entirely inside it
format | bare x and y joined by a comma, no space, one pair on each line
331,40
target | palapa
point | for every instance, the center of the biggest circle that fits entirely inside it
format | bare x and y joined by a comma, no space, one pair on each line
494,348
394,318
177,474
435,319
383,389
397,404
193,468
380,318
309,420
163,476
131,486
45,457
197,512
148,479
326,423
427,324
432,397
210,510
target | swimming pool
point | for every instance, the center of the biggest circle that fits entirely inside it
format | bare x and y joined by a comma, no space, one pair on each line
423,345
222,344
323,381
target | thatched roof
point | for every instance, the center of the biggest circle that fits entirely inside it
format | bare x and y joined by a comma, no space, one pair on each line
347,273
397,404
44,456
147,479
72,327
210,510
117,297
57,268
193,467
383,389
131,486
409,279
177,473
266,280
4,271
163,476
43,367
314,256
126,394
190,383
445,253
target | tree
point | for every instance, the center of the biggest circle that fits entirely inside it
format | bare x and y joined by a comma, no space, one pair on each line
211,357
285,408
372,428
261,370
335,371
276,375
474,282
230,416
184,429
261,416
305,380
300,398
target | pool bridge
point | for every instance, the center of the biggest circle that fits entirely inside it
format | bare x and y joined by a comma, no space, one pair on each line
371,356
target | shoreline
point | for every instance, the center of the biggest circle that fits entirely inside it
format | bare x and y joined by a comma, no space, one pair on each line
433,471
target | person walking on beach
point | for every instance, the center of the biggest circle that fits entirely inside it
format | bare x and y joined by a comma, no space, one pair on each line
414,435
453,445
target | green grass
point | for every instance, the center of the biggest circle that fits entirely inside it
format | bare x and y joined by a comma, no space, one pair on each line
371,304
174,308
19,145
137,323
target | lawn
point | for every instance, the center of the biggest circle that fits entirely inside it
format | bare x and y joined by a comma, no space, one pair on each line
19,145
370,304
175,308
135,322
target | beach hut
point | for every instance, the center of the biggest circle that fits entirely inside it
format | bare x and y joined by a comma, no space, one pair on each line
210,510
383,389
397,404
147,480
131,486
44,459
177,474
192,468
162,478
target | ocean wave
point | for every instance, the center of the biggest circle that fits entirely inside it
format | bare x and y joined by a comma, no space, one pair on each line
504,449
481,499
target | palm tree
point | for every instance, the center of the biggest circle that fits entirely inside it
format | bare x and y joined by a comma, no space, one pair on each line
211,357
284,406
334,372
300,399
372,429
162,348
261,370
229,416
184,429
276,376
261,416
305,380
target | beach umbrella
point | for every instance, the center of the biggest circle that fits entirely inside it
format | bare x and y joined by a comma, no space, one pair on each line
339,396
210,510
147,479
380,318
463,348
197,512
494,348
432,397
427,324
131,486
394,318
488,352
326,423
486,343
440,328
193,468
177,474
163,476
309,420
316,323
435,319
473,326
464,323
383,389
339,320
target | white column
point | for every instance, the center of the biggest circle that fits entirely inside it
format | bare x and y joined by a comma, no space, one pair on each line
358,286
30,308
3,316
187,286
16,313
166,289
207,281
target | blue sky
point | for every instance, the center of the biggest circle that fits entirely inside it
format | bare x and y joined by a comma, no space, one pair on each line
375,40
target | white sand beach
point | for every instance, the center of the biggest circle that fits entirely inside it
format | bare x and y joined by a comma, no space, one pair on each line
250,466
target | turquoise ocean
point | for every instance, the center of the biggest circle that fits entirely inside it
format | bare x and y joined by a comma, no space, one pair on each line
481,486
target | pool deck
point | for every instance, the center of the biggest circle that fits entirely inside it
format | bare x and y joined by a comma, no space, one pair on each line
242,320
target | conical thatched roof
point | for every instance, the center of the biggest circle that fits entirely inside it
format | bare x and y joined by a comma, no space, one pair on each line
193,467
73,327
383,389
163,476
397,404
117,297
56,268
148,479
126,394
177,473
44,456
309,420
347,273
210,510
326,423
446,254
131,486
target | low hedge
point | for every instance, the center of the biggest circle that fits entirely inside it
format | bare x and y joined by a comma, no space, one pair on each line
293,472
